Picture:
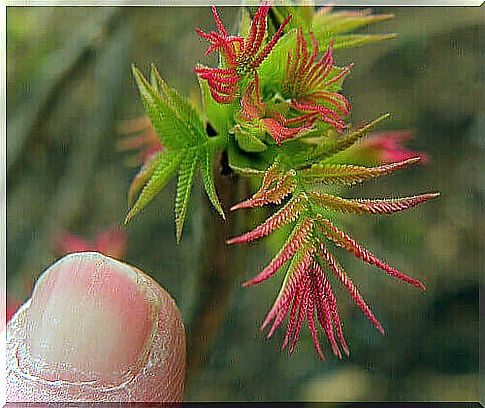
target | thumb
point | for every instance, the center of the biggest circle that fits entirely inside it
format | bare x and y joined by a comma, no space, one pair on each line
96,330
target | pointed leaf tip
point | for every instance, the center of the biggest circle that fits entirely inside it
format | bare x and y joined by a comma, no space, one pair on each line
247,284
232,241
129,217
413,160
239,206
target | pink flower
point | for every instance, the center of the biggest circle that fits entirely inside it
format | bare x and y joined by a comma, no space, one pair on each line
110,242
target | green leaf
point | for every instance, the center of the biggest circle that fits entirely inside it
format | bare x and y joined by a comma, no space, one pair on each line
348,174
186,144
248,163
344,22
184,186
165,168
357,40
272,70
142,177
249,142
171,130
182,108
329,149
207,164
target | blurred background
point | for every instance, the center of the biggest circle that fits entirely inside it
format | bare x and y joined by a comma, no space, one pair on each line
73,110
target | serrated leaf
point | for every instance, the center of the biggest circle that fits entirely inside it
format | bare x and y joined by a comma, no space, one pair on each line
358,40
142,177
184,186
331,148
306,292
344,22
182,108
347,174
249,142
170,129
186,144
326,27
207,164
358,206
165,168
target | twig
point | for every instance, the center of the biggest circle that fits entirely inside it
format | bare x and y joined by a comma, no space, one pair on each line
218,272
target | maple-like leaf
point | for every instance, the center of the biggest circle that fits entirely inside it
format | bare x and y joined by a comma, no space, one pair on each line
306,293
186,148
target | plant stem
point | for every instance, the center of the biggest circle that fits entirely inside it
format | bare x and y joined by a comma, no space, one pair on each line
218,273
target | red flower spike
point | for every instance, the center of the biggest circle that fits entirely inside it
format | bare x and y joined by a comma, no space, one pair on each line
293,313
312,301
324,310
301,316
281,306
307,83
280,133
308,292
252,107
222,82
241,55
332,302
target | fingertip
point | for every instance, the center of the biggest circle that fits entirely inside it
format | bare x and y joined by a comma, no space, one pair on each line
97,330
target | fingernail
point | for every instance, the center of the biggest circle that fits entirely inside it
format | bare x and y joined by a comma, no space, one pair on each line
90,321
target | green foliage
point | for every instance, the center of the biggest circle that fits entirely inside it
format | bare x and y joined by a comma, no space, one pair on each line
186,147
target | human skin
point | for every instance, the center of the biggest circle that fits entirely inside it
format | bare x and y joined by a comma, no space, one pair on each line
96,330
